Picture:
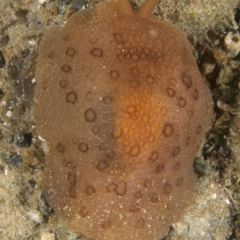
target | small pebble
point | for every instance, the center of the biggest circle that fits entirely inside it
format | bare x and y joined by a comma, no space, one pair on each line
35,215
4,41
14,159
24,140
32,183
48,236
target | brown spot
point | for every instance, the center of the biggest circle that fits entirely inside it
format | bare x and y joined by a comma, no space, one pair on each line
110,188
70,52
188,140
138,195
168,131
160,168
60,148
135,71
121,188
62,83
187,81
134,84
83,147
65,68
150,79
153,157
89,191
179,182
171,92
51,54
182,102
107,100
95,129
139,224
176,151
154,198
71,97
135,151
134,207
195,94
167,188
147,183
199,129
72,192
83,212
71,177
176,166
118,37
90,115
106,225
114,74
97,52
102,165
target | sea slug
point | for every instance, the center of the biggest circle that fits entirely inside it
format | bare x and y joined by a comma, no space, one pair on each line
124,110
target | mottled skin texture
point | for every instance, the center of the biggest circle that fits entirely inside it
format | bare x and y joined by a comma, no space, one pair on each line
124,109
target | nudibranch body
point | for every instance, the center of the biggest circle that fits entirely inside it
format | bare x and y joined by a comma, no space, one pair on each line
124,109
